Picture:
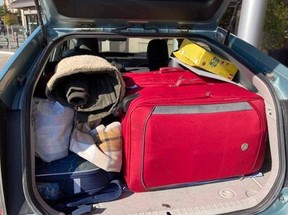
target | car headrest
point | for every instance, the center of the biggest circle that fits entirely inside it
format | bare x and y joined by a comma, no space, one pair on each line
157,54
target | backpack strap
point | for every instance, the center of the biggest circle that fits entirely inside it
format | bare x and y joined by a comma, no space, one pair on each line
82,210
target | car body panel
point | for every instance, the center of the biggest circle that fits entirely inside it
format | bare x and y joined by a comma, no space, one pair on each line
12,80
280,206
261,64
18,66
22,70
3,164
170,14
273,70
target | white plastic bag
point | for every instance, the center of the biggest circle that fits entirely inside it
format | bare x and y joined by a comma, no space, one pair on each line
52,129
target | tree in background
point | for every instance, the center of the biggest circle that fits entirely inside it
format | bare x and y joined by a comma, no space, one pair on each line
276,25
3,11
10,19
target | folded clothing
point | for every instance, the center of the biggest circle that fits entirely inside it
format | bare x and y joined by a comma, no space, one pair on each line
77,90
89,84
102,145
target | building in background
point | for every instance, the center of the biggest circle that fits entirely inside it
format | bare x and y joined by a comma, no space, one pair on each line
7,3
27,10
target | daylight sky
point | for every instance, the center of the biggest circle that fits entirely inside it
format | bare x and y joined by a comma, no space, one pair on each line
1,2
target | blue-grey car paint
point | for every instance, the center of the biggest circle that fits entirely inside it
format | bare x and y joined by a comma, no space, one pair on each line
280,206
19,66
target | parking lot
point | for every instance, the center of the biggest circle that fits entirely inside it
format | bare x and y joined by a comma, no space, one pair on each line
8,45
4,57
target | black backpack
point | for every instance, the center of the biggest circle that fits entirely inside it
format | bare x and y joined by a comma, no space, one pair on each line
72,182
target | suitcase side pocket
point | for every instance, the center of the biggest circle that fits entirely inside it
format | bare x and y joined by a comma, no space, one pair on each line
195,143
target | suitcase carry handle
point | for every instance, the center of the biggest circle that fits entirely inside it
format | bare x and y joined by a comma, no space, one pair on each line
184,81
123,106
170,69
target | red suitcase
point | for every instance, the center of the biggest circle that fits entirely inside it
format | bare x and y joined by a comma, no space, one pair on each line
180,134
164,76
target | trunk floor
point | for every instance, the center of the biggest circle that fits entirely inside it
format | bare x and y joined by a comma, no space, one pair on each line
197,199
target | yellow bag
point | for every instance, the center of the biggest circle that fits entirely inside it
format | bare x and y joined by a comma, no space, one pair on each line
194,55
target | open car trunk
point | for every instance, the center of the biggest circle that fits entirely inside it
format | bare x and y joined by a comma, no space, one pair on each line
234,195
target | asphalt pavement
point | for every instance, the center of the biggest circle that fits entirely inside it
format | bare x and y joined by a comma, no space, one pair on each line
8,45
4,57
